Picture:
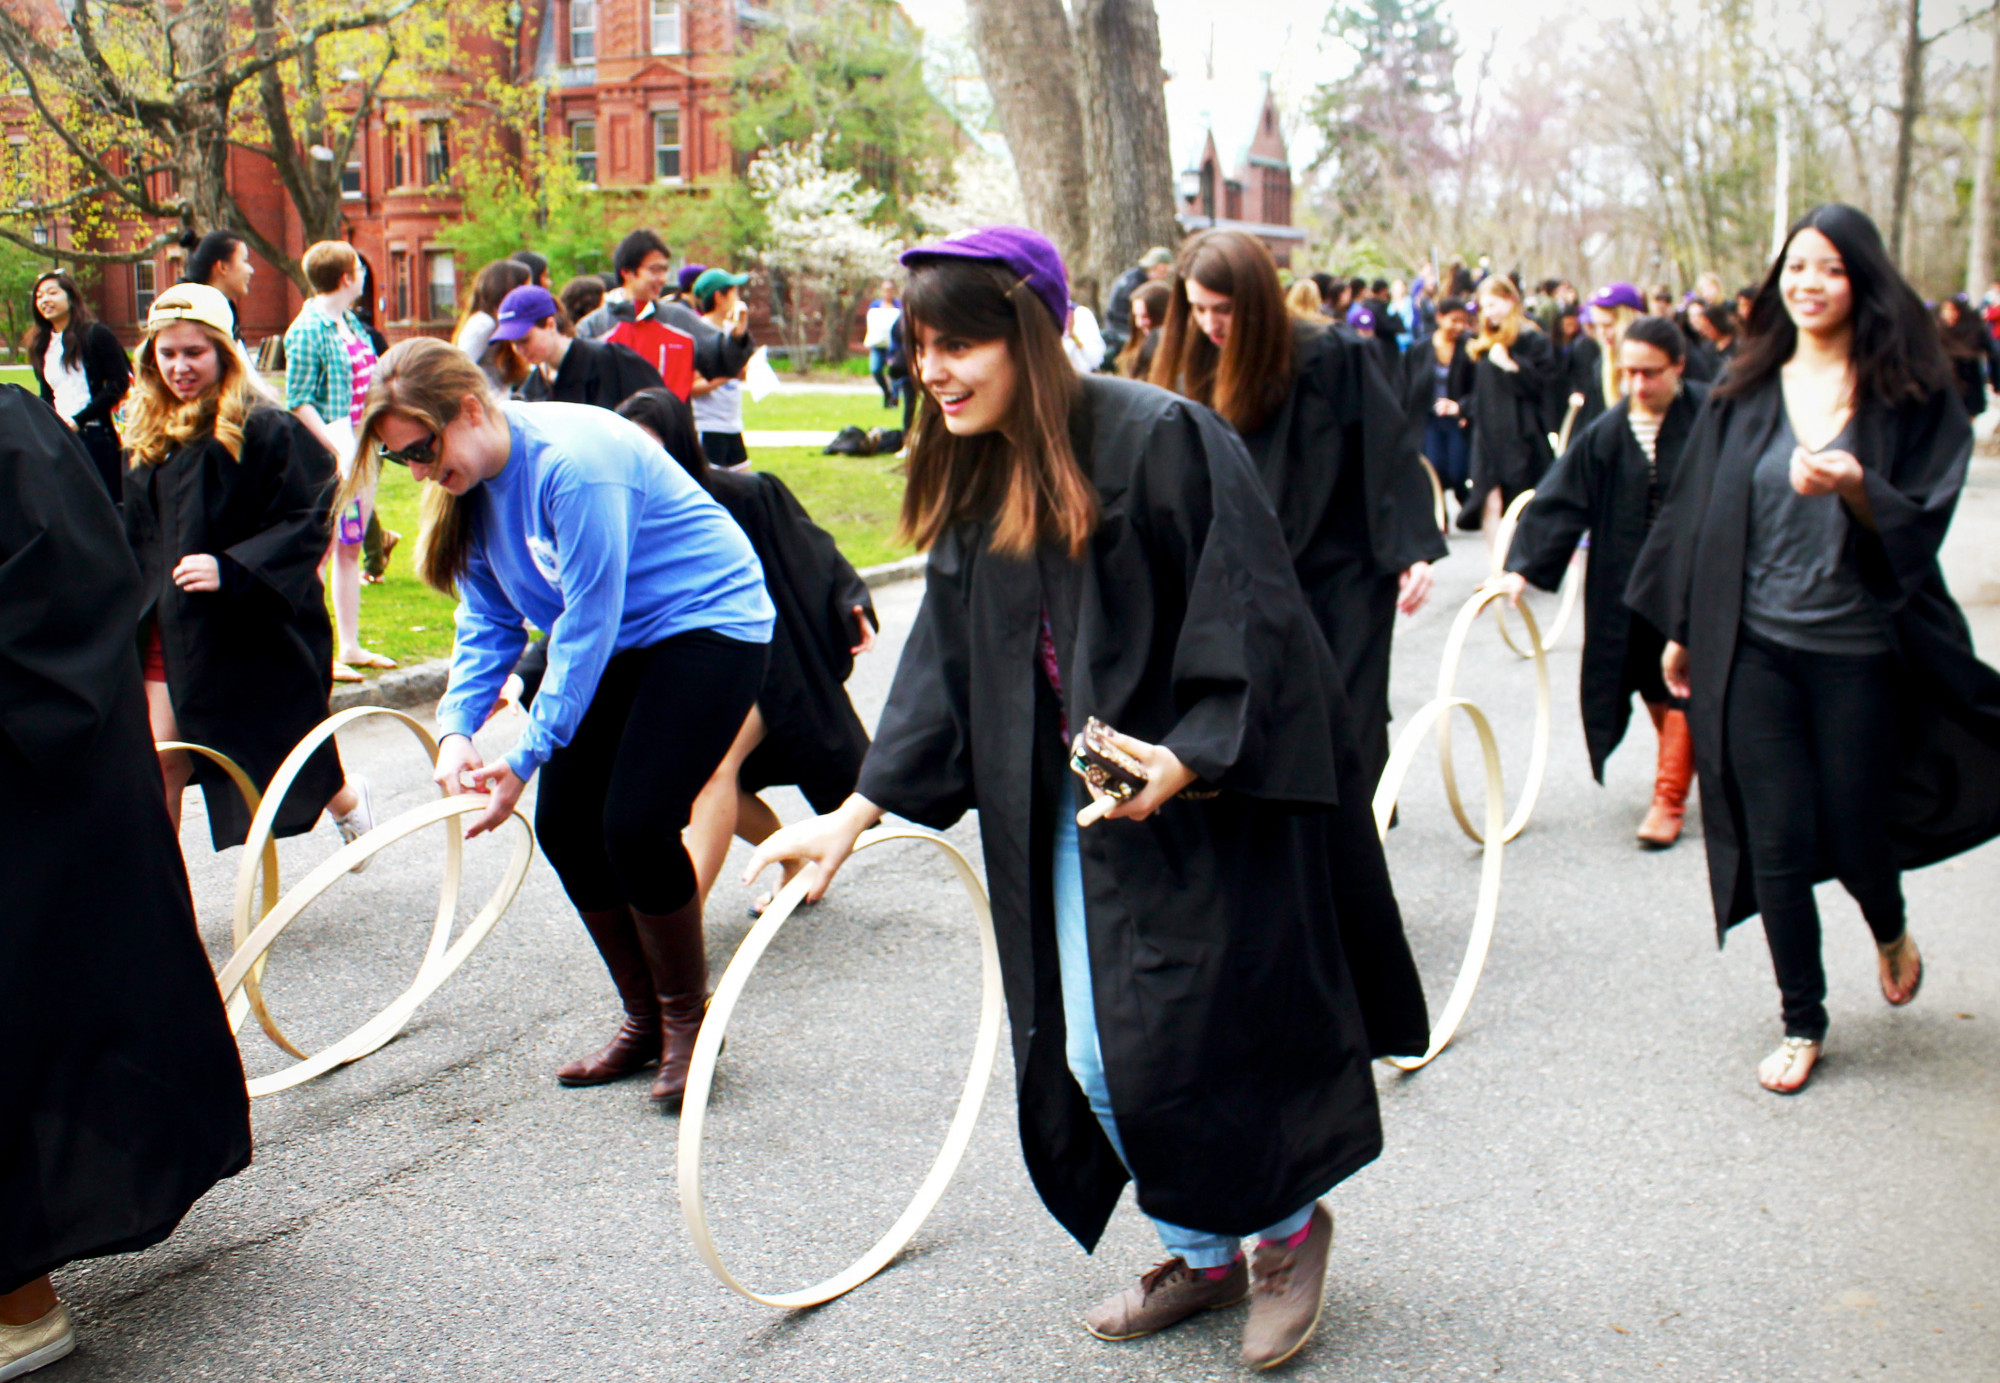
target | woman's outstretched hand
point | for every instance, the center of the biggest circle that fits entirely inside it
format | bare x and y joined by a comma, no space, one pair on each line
819,846
1674,670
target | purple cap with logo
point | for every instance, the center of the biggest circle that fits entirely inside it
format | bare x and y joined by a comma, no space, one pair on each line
689,273
521,309
1361,317
1025,252
1613,295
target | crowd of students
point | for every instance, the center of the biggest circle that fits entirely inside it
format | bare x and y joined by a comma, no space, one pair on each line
1192,577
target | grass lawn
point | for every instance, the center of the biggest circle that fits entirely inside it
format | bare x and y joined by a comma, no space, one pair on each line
783,412
18,374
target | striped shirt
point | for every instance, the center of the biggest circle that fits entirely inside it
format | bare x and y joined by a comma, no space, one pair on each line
1646,432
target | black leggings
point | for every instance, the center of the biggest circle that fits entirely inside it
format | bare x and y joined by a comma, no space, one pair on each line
615,798
1812,747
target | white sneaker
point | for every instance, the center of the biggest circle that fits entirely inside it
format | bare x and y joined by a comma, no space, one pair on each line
25,1348
360,821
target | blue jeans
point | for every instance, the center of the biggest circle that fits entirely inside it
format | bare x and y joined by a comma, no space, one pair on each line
1086,1060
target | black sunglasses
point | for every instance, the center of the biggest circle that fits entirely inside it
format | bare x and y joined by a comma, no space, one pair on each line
417,453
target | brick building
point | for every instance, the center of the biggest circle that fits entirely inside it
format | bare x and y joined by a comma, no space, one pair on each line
1256,198
639,88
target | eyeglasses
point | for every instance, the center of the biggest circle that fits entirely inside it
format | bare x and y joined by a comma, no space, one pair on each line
418,453
1649,373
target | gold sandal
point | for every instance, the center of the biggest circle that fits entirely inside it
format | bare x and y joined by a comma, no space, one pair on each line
1791,1052
1892,953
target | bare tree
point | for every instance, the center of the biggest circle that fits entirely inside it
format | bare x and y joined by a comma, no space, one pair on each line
1026,56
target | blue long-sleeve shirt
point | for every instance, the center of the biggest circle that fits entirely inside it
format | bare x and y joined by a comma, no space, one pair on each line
594,534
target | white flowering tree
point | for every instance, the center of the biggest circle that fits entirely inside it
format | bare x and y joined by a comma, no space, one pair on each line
983,190
823,245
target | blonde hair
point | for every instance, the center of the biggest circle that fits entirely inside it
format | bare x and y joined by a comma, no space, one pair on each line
1303,301
327,263
1510,328
159,422
1613,335
427,381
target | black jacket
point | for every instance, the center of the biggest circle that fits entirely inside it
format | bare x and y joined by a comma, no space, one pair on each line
1582,373
1510,424
601,373
1420,382
1689,583
109,1130
1233,1039
105,370
1600,485
250,665
812,737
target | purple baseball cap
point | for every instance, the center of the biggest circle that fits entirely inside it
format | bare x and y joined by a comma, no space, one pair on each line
689,273
1613,295
1023,251
521,309
1361,316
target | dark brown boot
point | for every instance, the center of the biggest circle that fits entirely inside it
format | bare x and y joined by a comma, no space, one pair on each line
1662,826
636,1044
679,962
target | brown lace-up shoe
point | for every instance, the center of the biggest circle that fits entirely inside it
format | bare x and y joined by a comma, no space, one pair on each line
1287,1287
1166,1295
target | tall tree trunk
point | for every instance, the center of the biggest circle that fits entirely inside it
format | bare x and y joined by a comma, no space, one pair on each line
1978,256
1906,125
1128,155
1029,62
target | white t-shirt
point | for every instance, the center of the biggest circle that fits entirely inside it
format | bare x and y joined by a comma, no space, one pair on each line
66,379
720,410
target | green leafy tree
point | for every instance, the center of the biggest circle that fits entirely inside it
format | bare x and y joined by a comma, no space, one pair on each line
852,69
19,268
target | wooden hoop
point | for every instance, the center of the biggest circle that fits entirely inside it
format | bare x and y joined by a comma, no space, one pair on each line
1538,754
1437,495
715,1029
1438,713
249,999
442,956
1572,587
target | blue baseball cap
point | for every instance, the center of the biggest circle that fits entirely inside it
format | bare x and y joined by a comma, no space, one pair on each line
1026,252
521,309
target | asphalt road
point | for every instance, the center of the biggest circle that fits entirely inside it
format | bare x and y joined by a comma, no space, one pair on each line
1587,1185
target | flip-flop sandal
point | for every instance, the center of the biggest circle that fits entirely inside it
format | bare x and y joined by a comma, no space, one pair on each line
1793,1050
374,660
343,673
1915,984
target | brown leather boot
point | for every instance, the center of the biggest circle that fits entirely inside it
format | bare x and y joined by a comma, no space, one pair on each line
636,1044
1662,826
679,962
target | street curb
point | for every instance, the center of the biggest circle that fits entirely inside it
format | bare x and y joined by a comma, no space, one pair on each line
424,683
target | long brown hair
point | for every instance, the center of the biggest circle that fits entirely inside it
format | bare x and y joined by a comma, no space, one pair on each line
1510,329
1250,375
1024,476
74,330
425,380
159,423
494,283
1158,298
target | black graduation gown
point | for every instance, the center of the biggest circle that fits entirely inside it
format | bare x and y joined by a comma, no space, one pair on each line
1583,373
249,666
1234,1048
1339,460
601,373
1420,383
1510,428
1600,486
813,737
123,1100
1689,583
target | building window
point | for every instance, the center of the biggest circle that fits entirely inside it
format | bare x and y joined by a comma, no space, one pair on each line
145,287
399,286
399,163
442,276
583,148
666,27
40,233
583,30
350,176
667,145
437,153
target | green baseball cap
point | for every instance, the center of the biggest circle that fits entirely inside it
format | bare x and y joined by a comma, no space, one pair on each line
715,280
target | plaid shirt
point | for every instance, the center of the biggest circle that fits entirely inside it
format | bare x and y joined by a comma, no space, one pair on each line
317,370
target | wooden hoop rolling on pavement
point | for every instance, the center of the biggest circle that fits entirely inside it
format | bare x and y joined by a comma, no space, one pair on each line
442,956
715,1029
1538,752
1438,713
